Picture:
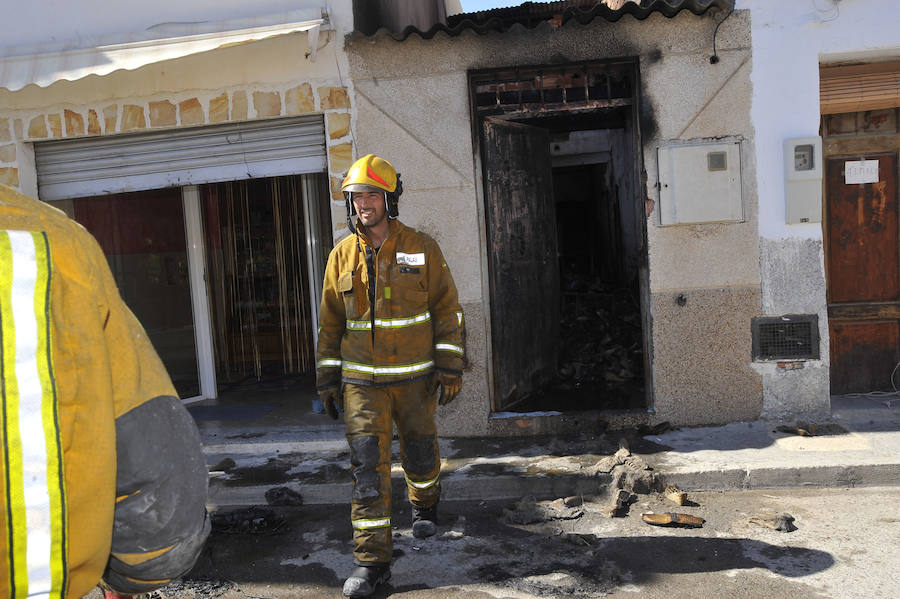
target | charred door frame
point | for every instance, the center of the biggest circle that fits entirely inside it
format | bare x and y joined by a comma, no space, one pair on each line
520,113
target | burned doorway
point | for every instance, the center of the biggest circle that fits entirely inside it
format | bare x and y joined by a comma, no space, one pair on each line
565,234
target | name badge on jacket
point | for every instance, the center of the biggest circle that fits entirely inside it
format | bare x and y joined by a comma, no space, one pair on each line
411,259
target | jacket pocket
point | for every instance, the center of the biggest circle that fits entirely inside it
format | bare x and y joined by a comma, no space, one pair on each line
345,288
408,277
408,302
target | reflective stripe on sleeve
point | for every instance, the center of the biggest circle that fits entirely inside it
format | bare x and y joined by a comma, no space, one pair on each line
367,523
449,347
32,453
388,323
423,485
328,362
388,370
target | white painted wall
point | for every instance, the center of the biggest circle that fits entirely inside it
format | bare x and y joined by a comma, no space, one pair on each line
790,40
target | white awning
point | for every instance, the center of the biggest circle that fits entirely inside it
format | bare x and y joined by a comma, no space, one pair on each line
162,42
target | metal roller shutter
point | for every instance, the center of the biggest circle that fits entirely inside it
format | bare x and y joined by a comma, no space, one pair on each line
132,162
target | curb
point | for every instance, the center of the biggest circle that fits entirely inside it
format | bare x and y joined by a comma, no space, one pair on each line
552,486
743,479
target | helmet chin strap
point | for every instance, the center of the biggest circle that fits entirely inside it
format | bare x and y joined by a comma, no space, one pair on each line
387,208
350,224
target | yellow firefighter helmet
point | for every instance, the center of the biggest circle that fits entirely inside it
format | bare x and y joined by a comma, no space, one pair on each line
371,173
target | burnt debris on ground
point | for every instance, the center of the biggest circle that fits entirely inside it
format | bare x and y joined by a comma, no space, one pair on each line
251,520
601,362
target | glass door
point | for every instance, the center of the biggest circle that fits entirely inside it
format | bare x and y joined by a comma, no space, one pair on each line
144,238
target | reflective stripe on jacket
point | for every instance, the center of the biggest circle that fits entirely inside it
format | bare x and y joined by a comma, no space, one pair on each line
418,323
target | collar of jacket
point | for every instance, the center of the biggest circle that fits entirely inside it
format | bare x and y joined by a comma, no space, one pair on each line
394,227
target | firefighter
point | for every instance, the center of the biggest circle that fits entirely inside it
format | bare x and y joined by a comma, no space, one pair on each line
103,478
390,348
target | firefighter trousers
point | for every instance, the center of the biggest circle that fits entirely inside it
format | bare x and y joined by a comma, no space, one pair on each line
370,413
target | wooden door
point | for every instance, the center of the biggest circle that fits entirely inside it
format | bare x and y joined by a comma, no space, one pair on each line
522,258
863,265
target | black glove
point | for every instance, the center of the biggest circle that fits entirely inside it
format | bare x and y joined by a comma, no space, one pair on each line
332,400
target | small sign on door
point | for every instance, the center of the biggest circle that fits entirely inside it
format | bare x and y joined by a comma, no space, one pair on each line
860,171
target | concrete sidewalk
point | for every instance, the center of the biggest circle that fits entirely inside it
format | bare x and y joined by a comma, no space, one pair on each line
858,446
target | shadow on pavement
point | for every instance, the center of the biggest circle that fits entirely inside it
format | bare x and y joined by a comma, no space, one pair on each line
309,552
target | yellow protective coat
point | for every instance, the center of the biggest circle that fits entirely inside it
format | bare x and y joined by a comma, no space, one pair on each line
102,366
387,376
418,321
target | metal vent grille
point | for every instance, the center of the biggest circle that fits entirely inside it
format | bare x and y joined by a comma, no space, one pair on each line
789,337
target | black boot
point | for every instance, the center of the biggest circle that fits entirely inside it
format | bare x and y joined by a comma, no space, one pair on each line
424,521
364,579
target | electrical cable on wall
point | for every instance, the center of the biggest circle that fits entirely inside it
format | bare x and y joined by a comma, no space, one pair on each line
833,12
715,57
341,80
893,372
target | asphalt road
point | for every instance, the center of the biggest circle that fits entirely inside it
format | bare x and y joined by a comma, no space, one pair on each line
845,546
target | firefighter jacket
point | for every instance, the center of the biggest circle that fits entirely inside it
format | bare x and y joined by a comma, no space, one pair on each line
393,319
103,473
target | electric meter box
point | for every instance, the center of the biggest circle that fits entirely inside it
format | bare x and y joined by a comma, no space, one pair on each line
700,183
803,180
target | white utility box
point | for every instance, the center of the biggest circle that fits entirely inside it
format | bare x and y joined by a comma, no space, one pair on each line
803,180
700,183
